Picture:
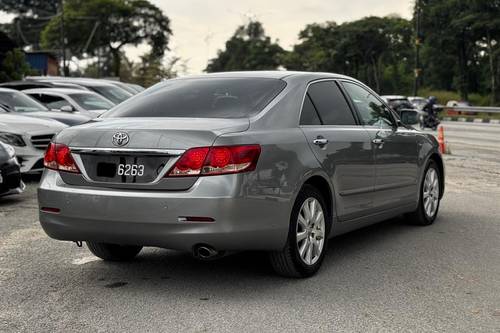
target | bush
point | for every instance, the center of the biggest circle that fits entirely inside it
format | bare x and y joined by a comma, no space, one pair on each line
444,96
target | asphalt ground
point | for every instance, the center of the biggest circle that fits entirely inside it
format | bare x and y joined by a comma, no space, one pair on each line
391,277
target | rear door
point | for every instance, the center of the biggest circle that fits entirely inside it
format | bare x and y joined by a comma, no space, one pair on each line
395,149
341,145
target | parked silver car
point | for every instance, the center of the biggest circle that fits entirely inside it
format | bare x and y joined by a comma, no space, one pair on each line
30,138
71,100
110,91
274,161
17,102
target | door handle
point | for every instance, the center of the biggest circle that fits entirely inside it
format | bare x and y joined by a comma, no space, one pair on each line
320,141
378,141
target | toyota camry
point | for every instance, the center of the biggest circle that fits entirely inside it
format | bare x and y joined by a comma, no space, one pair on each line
272,161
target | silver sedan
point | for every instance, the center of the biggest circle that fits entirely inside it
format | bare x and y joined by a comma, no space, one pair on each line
273,161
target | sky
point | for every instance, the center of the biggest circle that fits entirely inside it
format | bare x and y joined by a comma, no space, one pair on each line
201,27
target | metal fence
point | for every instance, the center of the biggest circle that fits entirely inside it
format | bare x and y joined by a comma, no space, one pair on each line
470,110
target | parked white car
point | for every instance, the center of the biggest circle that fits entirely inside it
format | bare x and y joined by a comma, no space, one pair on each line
30,137
71,100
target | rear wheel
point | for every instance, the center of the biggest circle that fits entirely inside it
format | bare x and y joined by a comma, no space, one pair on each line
428,205
113,252
307,237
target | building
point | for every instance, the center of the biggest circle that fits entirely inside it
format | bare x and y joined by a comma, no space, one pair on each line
44,62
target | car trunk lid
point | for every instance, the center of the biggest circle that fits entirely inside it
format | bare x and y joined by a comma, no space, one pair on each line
142,161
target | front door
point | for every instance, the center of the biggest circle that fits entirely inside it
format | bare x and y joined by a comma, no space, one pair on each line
395,150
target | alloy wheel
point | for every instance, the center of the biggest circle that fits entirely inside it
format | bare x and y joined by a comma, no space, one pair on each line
431,192
310,231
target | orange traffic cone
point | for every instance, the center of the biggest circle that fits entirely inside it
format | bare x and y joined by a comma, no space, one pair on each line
442,144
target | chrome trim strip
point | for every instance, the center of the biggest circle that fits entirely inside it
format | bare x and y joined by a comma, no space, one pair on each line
159,151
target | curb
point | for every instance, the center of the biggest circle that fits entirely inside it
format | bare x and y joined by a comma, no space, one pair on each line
472,120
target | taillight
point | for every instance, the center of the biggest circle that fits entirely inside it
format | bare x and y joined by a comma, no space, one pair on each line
216,161
58,157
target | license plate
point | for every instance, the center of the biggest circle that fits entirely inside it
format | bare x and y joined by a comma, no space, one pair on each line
135,170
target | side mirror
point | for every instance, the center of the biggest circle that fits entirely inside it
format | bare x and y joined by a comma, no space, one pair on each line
409,117
67,108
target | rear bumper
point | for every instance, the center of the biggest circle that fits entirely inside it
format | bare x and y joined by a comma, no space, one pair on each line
151,218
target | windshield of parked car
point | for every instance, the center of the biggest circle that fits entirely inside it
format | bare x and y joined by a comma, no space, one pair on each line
92,102
18,102
114,94
202,98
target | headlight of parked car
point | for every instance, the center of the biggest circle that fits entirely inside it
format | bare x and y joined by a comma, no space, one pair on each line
11,152
12,139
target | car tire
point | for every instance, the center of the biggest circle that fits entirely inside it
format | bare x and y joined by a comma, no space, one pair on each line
113,252
289,262
424,214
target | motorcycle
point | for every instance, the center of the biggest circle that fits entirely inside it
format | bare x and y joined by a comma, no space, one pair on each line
429,119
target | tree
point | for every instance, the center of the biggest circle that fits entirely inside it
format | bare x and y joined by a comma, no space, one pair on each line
376,50
14,66
248,49
93,25
33,16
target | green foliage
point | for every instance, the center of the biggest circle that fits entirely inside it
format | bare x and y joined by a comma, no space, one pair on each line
14,66
375,50
248,49
119,23
33,16
461,45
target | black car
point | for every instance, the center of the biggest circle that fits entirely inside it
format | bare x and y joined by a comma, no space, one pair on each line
10,173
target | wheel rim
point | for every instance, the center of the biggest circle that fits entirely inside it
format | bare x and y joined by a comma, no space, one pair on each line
310,231
431,192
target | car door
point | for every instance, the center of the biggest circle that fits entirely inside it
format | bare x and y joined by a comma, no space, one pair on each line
342,146
395,149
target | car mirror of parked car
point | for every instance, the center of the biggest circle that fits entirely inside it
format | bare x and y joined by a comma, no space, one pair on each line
67,108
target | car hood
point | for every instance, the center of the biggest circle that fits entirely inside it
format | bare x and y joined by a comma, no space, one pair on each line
171,133
22,124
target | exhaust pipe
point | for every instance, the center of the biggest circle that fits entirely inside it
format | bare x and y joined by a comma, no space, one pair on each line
205,252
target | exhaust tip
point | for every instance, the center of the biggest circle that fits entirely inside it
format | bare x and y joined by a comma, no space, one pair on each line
205,252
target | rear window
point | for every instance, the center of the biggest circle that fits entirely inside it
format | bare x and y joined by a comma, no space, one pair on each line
202,98
19,102
114,94
91,102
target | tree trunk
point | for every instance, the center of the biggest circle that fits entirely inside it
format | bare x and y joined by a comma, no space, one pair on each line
375,74
116,62
462,62
493,72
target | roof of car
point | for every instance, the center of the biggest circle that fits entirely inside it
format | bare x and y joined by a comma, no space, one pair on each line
264,74
65,91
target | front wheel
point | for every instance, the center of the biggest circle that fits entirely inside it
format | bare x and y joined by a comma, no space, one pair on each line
307,237
428,204
113,252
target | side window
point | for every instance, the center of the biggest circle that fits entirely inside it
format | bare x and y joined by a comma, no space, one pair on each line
372,111
53,102
330,103
309,115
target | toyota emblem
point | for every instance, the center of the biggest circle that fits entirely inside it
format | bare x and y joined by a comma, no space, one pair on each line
120,139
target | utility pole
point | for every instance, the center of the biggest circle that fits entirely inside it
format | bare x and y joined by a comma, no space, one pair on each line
418,42
62,38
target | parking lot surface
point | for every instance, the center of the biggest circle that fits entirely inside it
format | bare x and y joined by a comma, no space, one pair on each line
391,277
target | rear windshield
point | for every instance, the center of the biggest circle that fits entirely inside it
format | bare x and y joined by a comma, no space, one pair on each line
202,98
91,102
114,94
19,102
